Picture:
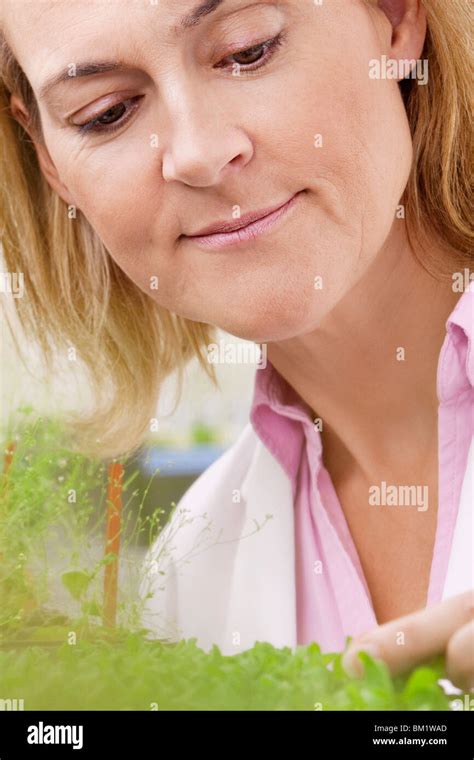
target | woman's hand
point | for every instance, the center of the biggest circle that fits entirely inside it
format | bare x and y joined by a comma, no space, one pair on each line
446,628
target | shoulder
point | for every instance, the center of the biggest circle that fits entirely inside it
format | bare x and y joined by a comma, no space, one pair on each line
229,469
219,482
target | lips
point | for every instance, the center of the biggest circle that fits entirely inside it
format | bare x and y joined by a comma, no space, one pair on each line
247,227
237,224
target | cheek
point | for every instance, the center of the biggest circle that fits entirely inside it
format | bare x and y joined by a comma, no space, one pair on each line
346,134
118,189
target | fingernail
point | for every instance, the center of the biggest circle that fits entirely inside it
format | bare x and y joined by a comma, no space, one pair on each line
351,662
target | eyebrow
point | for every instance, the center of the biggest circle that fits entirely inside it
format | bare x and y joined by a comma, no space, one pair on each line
88,69
196,16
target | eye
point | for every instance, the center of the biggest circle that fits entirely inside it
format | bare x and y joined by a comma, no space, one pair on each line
113,114
111,119
254,57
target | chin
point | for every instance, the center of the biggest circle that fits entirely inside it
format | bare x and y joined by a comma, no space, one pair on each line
272,322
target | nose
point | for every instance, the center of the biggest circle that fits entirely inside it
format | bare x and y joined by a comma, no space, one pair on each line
203,147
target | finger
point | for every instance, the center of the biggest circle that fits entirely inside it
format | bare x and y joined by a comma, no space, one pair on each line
412,639
460,657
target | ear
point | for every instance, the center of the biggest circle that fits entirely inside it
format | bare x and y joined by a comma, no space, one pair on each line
45,161
408,22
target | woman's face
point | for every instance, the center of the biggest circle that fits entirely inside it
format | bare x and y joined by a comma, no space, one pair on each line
156,131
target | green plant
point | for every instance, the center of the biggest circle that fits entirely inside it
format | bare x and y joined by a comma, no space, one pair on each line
52,519
138,674
52,524
202,433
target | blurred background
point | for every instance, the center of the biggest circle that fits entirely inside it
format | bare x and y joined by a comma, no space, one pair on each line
187,440
206,421
224,412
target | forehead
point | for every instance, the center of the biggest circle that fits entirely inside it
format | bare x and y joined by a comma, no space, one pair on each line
42,32
37,10
42,17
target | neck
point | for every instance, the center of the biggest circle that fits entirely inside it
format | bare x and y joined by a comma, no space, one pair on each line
369,369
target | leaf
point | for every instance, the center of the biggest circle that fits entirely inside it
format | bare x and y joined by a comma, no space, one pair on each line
76,582
422,680
130,480
376,673
91,608
109,558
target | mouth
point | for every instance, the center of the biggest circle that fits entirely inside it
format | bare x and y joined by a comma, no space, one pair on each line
248,227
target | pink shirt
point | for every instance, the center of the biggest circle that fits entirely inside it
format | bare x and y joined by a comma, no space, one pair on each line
332,596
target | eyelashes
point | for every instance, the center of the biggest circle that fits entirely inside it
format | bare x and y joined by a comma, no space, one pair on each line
116,116
113,118
267,50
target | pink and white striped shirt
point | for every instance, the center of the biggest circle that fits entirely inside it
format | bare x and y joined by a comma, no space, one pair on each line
336,603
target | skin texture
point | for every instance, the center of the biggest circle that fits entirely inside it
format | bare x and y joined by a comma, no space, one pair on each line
200,142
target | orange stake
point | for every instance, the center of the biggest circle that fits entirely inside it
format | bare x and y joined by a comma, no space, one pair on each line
114,501
9,452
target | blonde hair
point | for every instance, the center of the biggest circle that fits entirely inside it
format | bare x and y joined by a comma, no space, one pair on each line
438,196
78,296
